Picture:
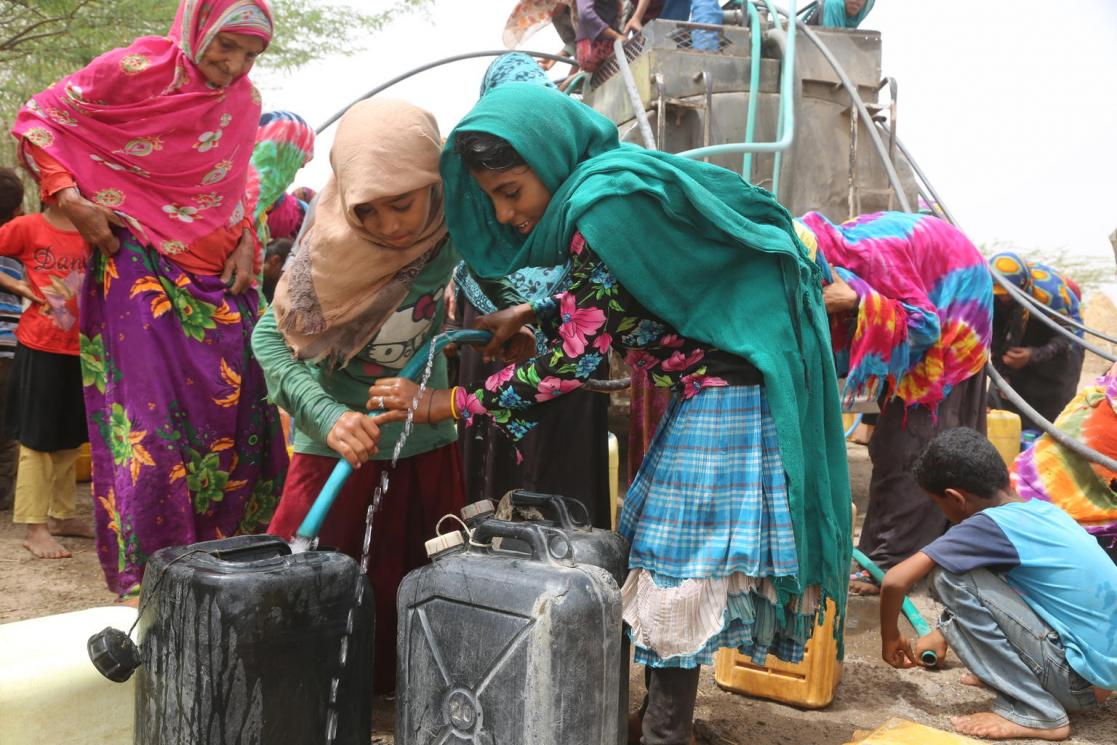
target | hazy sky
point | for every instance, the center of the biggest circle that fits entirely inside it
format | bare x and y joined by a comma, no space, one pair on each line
1010,106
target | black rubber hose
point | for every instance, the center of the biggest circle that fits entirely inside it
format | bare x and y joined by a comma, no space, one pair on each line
1027,301
438,63
1060,437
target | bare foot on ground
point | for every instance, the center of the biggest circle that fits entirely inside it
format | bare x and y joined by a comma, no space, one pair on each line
863,588
42,545
969,679
995,727
73,526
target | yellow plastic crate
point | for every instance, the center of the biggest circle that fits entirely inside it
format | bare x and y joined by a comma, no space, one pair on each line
809,684
902,732
83,466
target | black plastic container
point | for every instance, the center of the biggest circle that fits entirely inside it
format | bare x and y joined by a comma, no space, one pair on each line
499,646
602,548
242,642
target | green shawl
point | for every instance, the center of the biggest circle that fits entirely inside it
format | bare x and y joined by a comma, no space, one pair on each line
709,254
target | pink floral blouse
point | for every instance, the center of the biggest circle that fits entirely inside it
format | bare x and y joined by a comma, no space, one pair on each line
582,323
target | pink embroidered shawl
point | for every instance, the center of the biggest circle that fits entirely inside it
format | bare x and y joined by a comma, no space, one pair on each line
144,133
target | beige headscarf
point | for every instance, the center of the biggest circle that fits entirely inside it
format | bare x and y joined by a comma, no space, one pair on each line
341,285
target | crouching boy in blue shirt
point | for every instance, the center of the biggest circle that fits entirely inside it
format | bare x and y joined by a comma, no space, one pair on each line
1030,598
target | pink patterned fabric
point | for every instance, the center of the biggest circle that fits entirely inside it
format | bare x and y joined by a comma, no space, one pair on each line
144,133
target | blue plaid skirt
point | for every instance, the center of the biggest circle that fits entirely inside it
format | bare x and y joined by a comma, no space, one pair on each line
710,501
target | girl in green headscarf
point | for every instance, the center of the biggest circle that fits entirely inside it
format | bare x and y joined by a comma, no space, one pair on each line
739,517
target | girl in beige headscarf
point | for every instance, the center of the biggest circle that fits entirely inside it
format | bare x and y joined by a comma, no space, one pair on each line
362,293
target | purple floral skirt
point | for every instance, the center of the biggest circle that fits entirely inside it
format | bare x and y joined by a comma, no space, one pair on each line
185,446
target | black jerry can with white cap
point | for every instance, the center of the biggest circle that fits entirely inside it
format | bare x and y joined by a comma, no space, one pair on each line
596,546
497,647
245,643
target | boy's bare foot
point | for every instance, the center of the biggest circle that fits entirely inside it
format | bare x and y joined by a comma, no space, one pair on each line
995,727
42,545
73,526
969,679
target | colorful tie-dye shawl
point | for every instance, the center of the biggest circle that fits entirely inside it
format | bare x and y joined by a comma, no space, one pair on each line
924,321
1044,283
1053,473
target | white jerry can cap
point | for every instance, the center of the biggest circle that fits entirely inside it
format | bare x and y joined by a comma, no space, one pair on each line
441,544
478,510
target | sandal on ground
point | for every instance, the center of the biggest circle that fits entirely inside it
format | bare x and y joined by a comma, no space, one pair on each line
863,583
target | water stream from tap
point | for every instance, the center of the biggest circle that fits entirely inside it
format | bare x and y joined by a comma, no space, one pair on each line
370,515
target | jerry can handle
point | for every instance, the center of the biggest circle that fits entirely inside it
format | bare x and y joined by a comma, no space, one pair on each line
558,504
252,548
541,539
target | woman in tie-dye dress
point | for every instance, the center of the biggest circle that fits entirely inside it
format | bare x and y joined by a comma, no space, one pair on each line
910,306
146,150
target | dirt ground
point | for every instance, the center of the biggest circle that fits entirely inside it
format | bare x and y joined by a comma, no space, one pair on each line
869,694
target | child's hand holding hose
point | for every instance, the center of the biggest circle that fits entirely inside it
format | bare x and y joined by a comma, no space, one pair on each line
396,395
354,437
896,650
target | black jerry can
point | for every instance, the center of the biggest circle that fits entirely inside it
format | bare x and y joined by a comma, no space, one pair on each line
244,643
498,647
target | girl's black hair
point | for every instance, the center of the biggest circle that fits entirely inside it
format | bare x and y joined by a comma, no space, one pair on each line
482,151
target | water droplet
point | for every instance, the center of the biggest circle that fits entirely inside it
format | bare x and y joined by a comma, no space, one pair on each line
343,656
331,727
333,690
349,622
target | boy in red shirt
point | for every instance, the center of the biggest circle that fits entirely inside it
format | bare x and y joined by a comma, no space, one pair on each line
45,408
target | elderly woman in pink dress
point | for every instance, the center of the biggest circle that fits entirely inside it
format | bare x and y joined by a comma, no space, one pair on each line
146,150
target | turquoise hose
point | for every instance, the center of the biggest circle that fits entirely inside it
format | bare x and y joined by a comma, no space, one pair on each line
312,523
915,618
754,89
774,15
787,108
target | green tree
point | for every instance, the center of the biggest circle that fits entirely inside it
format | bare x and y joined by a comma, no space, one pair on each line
42,40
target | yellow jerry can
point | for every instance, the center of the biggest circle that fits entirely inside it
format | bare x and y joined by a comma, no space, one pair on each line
83,466
809,684
1003,430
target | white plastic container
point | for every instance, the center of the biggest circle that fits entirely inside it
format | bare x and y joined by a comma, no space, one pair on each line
49,690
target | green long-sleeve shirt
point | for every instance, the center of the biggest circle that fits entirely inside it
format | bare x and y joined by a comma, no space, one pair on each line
316,397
